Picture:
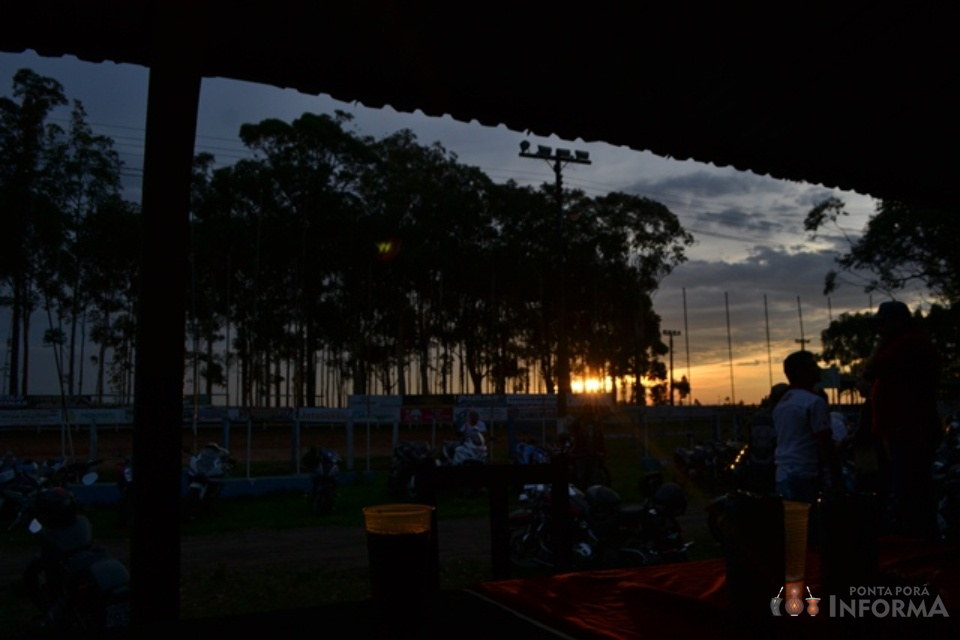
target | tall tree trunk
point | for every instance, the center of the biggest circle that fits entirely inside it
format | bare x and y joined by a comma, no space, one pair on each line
208,381
83,349
276,381
401,378
102,358
310,386
25,370
424,342
14,345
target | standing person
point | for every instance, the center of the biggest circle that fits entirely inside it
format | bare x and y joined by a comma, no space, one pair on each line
904,373
589,450
473,422
804,438
763,443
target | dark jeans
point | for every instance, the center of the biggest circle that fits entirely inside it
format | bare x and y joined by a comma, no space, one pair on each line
913,506
799,489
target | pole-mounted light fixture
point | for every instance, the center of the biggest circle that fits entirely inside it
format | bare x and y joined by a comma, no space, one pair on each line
557,160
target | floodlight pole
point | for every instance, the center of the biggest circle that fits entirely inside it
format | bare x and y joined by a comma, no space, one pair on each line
558,159
671,333
802,341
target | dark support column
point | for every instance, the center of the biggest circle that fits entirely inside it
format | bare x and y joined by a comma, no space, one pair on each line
173,99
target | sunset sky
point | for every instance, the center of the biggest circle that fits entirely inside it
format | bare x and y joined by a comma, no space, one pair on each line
752,271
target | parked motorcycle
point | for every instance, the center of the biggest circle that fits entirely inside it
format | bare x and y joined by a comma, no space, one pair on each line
324,467
705,463
19,480
125,487
205,474
531,453
409,457
469,450
946,482
60,472
75,585
606,533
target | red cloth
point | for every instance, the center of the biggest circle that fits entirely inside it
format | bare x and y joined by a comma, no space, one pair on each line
688,600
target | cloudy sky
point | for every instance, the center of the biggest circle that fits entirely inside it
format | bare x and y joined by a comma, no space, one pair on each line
753,271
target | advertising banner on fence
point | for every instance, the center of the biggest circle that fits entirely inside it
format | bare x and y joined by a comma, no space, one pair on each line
427,409
29,418
492,407
105,416
323,414
270,414
527,407
375,408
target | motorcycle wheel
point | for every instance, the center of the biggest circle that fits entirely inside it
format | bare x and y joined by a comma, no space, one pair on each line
191,505
323,499
471,490
396,478
412,488
715,514
526,552
125,508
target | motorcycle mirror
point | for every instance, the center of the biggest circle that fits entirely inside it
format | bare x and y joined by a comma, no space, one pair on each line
34,526
89,478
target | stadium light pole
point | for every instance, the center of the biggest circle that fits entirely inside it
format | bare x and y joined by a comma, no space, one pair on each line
671,333
558,159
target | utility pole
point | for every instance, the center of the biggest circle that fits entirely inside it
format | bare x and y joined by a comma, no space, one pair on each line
802,340
671,333
558,159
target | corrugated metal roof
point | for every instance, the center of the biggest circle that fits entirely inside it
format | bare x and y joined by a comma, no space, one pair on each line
854,96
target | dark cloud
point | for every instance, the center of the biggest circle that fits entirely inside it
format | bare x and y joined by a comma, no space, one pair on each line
710,184
735,221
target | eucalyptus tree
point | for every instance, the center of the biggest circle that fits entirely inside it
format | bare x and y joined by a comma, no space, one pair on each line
431,209
228,228
613,250
620,247
306,173
213,241
524,264
88,173
108,239
31,221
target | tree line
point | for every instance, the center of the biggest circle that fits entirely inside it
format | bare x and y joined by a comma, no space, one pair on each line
382,263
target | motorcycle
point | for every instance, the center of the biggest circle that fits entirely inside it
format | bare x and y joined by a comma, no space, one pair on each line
470,450
324,466
205,474
606,533
125,487
946,482
75,585
19,480
705,463
59,472
409,457
531,453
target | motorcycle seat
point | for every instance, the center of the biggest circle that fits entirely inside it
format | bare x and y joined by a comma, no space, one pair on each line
630,512
74,536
